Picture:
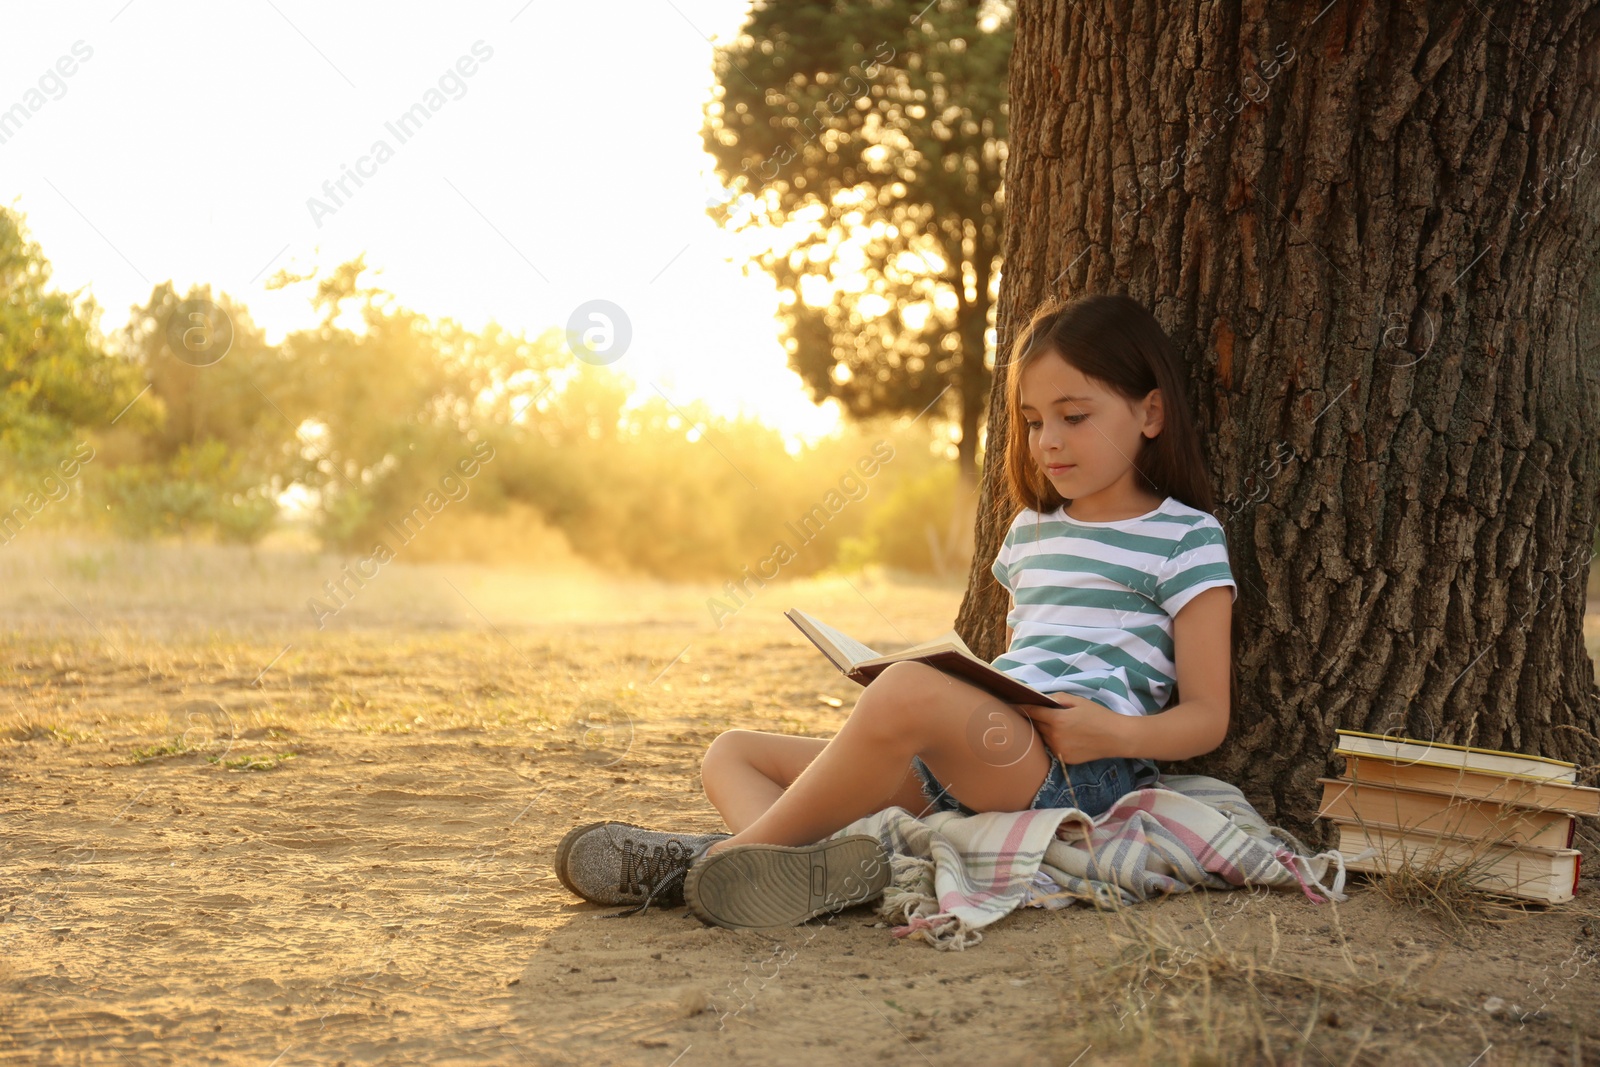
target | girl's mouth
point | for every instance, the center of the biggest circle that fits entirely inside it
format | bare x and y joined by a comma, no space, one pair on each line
1059,468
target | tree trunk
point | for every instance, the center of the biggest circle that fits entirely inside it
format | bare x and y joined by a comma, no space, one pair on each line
1369,232
975,375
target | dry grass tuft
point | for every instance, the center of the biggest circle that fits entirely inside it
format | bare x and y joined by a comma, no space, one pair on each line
1453,891
1211,998
1450,894
28,725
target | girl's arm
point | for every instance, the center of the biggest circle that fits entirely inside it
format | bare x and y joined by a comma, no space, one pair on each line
1199,721
1081,730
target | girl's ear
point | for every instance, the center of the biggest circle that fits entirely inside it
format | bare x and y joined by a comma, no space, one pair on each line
1154,414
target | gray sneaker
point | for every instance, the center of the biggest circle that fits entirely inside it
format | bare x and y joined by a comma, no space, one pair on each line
755,887
619,863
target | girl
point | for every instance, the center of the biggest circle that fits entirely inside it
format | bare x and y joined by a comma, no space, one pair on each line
1122,596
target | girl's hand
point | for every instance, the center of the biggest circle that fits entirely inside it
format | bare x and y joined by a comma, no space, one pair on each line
1079,730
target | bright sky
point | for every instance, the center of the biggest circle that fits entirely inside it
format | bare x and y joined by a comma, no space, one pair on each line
567,167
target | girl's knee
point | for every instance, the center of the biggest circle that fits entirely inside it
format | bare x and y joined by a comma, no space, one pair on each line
891,699
729,744
904,684
725,753
905,675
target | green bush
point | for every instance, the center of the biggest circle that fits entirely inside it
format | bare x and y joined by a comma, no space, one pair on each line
909,528
203,489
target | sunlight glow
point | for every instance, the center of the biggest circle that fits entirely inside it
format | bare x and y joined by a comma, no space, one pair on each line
462,222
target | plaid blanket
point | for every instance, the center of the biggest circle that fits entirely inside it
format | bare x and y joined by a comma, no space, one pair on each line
954,874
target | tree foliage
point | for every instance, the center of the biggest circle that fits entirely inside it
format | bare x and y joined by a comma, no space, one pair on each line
56,380
387,408
367,417
881,138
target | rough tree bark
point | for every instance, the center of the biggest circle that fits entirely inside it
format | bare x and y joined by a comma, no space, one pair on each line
1370,232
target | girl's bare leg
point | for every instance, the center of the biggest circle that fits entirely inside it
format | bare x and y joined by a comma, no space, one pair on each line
986,752
745,771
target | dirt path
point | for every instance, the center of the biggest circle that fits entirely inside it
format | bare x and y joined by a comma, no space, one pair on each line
379,890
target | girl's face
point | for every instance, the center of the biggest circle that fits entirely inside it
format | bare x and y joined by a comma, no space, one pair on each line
1084,436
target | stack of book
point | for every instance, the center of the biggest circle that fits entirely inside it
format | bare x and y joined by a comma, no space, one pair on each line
1504,818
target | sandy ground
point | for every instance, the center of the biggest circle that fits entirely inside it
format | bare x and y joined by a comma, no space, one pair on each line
353,865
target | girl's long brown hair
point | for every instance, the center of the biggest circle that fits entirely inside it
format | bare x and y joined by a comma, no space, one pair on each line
1111,339
1114,340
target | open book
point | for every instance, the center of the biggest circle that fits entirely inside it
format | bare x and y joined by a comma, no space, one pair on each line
947,652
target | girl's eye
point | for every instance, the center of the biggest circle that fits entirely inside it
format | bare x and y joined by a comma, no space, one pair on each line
1075,419
1033,425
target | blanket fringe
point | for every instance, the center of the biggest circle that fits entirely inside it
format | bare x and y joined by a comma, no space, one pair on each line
908,894
1298,858
952,935
1300,867
909,905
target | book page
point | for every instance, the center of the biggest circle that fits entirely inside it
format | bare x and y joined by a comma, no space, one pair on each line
955,639
853,650
950,638
937,642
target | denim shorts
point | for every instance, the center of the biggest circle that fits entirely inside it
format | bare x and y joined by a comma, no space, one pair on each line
1090,787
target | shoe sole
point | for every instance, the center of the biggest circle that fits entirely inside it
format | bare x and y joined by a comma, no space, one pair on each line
757,887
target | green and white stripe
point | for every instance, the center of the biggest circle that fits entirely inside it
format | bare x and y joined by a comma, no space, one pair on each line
1093,603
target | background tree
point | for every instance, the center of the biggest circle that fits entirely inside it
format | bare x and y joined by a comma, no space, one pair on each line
222,449
386,409
356,420
1368,229
56,379
880,132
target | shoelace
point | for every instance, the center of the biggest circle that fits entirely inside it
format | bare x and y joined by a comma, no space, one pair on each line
673,857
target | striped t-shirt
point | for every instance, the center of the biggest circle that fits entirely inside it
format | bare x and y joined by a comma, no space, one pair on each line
1093,602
